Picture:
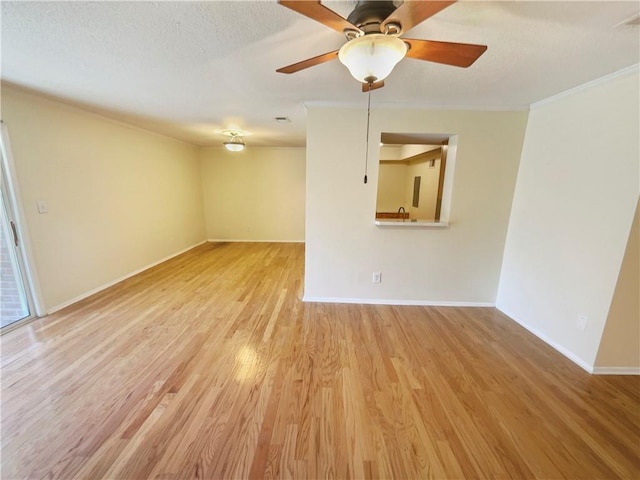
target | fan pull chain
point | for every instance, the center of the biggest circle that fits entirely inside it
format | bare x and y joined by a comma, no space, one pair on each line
366,157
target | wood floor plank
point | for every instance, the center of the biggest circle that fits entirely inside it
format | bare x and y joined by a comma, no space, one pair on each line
210,366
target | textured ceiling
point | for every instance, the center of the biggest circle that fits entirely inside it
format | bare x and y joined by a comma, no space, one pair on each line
191,69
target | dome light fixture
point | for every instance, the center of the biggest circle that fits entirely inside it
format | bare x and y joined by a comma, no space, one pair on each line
371,58
235,144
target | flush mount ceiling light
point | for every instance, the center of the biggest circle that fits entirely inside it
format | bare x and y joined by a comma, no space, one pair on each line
371,58
235,144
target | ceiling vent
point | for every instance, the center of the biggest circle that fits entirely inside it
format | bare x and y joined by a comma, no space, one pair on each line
282,119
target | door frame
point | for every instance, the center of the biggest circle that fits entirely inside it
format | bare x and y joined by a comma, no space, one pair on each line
34,295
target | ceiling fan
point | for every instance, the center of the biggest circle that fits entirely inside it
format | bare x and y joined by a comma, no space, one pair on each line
374,45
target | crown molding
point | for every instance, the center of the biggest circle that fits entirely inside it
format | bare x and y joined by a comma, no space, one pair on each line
586,86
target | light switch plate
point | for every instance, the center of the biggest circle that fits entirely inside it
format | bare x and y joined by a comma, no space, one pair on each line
42,206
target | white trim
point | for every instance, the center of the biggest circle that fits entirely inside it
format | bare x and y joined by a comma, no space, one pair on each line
237,240
380,301
97,112
23,232
616,370
585,86
564,351
120,279
415,106
410,223
282,147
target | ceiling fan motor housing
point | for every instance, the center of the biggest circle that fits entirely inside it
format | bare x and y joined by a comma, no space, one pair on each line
369,15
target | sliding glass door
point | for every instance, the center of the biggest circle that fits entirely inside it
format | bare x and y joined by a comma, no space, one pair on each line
15,304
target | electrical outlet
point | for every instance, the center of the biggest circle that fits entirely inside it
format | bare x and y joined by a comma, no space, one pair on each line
582,322
377,277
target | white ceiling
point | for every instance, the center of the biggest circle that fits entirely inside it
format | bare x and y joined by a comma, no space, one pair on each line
191,69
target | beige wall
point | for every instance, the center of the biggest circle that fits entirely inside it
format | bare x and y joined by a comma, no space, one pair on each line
119,198
620,344
392,187
254,195
396,178
390,152
459,264
429,179
576,194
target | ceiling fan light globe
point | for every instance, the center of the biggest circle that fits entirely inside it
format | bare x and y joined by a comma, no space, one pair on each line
372,56
235,145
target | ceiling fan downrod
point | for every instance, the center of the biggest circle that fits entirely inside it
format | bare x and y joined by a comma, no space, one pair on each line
368,16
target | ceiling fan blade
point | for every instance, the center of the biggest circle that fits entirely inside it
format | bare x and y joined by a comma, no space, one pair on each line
411,13
309,62
318,12
456,54
374,86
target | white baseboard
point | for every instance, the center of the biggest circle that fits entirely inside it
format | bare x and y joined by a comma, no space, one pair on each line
564,351
237,240
380,301
118,280
616,370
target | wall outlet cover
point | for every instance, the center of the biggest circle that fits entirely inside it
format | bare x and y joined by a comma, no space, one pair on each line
582,322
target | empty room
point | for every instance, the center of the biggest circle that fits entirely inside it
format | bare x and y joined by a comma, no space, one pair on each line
304,239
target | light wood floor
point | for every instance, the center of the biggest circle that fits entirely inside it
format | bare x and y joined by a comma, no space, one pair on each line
210,366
